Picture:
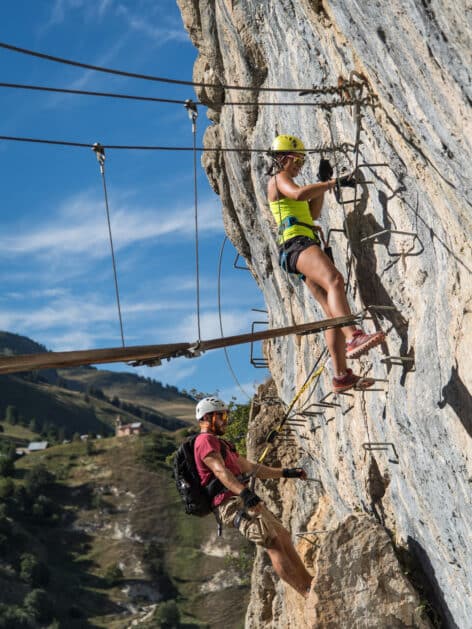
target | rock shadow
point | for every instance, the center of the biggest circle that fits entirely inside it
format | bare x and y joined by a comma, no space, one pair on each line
369,282
459,398
425,581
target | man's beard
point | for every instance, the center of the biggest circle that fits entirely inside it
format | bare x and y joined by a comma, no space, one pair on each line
219,430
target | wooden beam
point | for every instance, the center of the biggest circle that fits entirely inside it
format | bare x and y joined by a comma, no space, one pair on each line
150,353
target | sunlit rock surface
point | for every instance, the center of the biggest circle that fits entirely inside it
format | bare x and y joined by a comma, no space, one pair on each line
415,119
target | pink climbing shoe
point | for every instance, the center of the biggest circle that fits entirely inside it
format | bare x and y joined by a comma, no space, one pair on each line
361,343
350,381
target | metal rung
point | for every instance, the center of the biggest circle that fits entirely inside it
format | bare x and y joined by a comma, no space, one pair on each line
236,266
258,362
326,404
366,165
379,307
311,533
399,361
381,445
322,401
403,359
410,252
388,231
334,229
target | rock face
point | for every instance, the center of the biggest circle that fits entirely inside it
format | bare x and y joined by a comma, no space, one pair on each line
401,454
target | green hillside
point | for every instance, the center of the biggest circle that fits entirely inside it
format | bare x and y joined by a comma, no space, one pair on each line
92,534
85,399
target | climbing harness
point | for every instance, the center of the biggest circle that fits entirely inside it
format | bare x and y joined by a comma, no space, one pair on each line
99,151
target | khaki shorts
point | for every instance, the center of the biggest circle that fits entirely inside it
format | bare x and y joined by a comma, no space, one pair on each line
262,528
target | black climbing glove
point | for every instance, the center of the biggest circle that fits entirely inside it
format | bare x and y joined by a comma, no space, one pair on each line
293,472
249,498
347,181
325,170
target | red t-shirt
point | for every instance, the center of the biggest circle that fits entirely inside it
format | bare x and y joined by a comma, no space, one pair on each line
205,444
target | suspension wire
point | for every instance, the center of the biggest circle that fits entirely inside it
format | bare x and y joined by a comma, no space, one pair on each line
61,90
220,318
88,145
323,105
148,77
100,153
191,108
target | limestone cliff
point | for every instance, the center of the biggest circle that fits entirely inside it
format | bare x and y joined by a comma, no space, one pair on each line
409,115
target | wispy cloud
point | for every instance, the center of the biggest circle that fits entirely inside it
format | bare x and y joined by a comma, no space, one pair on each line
240,394
61,10
158,34
235,322
79,227
174,371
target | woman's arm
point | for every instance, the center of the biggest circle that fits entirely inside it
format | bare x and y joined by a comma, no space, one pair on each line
289,189
316,206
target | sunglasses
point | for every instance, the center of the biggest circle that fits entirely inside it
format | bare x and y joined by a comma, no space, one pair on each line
298,160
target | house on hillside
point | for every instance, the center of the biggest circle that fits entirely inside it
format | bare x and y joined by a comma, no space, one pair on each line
36,446
126,430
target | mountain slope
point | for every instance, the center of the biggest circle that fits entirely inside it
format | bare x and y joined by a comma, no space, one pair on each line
86,399
116,541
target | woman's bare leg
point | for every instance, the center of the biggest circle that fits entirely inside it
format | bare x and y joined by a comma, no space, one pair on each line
334,337
317,267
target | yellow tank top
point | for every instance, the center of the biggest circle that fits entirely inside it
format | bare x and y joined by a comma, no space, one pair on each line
283,208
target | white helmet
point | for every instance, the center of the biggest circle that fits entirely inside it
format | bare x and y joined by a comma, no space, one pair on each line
209,405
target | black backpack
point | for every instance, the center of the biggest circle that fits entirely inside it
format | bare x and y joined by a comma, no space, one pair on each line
196,499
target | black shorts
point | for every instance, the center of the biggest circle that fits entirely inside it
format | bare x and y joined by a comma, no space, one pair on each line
290,251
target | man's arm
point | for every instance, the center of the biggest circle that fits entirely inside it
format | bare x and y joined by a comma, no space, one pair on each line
264,471
215,462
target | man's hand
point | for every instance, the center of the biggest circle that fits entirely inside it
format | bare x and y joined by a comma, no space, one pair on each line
294,472
249,498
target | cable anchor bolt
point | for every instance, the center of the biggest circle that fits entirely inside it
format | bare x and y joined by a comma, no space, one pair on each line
192,111
99,151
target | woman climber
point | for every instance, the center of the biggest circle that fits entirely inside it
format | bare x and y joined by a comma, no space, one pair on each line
295,208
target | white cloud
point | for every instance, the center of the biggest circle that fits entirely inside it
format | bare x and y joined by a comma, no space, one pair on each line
236,322
158,34
61,9
247,390
173,371
79,227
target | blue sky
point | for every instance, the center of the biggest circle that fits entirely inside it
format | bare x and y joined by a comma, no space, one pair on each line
56,279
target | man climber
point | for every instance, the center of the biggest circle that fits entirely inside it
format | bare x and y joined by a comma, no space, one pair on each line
237,505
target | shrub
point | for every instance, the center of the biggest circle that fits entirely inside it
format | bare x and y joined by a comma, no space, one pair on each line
43,508
90,448
38,605
11,415
7,465
113,574
168,615
236,430
32,571
6,488
14,617
37,478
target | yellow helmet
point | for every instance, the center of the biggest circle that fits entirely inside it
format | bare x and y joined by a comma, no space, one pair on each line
287,144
